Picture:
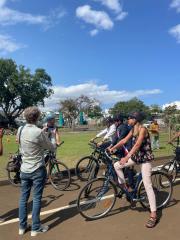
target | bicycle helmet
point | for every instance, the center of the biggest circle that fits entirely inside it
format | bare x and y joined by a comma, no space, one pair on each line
49,117
139,116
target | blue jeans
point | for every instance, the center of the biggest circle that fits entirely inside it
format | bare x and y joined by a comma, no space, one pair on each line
35,180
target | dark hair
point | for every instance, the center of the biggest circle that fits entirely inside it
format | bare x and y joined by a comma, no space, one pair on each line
109,120
118,118
32,114
139,116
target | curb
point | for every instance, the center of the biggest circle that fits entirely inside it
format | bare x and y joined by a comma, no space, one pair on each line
4,181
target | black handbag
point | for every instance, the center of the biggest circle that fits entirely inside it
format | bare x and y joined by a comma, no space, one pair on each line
15,161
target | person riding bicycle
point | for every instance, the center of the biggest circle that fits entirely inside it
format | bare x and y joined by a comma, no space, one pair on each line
52,130
122,130
109,133
141,153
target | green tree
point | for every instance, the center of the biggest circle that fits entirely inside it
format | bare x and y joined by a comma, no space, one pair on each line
169,115
127,107
19,88
95,112
71,108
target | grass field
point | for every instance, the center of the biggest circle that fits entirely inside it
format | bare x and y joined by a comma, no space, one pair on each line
75,147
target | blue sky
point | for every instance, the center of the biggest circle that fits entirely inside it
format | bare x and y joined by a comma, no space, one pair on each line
109,49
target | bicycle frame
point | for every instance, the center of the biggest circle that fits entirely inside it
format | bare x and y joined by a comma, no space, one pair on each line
111,174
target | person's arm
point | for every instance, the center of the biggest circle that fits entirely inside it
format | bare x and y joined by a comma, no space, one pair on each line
110,132
99,135
17,135
45,143
122,142
58,141
1,143
136,147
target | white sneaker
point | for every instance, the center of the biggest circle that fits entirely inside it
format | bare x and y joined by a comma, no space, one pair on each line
42,229
23,231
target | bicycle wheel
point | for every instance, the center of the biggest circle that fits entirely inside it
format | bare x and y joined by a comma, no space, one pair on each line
14,178
171,169
85,166
97,198
59,175
162,187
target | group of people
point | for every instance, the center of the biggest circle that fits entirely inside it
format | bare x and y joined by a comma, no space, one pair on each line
132,144
130,141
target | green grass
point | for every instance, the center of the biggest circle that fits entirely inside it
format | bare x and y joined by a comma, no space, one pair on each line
75,147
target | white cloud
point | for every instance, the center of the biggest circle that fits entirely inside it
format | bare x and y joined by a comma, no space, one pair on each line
177,103
99,19
176,4
175,32
112,4
94,32
8,45
116,7
100,92
121,16
9,16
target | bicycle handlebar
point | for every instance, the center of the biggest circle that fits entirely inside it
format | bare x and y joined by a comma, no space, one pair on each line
60,144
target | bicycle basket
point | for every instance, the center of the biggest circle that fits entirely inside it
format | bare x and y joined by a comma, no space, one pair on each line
14,163
177,153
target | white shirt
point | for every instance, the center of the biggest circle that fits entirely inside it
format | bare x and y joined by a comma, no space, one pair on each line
108,132
33,142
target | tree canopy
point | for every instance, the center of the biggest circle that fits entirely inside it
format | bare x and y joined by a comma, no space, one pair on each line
19,88
126,107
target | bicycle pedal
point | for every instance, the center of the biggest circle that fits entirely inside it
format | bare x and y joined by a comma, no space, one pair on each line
120,194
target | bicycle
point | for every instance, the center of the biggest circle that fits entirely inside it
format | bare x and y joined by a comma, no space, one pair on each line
172,168
87,167
58,173
97,197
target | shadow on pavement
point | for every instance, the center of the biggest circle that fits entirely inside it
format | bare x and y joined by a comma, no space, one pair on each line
46,201
60,217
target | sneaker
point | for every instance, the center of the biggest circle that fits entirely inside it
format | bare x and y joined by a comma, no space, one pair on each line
2,220
23,231
42,229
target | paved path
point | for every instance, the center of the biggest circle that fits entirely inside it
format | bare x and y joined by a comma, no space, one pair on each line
60,213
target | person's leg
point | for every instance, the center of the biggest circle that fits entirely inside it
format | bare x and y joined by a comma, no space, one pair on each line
146,169
39,178
26,184
157,142
119,170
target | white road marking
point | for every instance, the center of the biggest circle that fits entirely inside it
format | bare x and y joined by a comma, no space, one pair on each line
41,214
65,207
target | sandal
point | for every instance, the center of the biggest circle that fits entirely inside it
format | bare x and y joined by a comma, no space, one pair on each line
151,222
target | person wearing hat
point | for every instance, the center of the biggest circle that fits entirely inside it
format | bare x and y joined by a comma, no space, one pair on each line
52,130
141,153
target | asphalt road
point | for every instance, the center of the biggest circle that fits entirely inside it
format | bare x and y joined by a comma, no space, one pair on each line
60,213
